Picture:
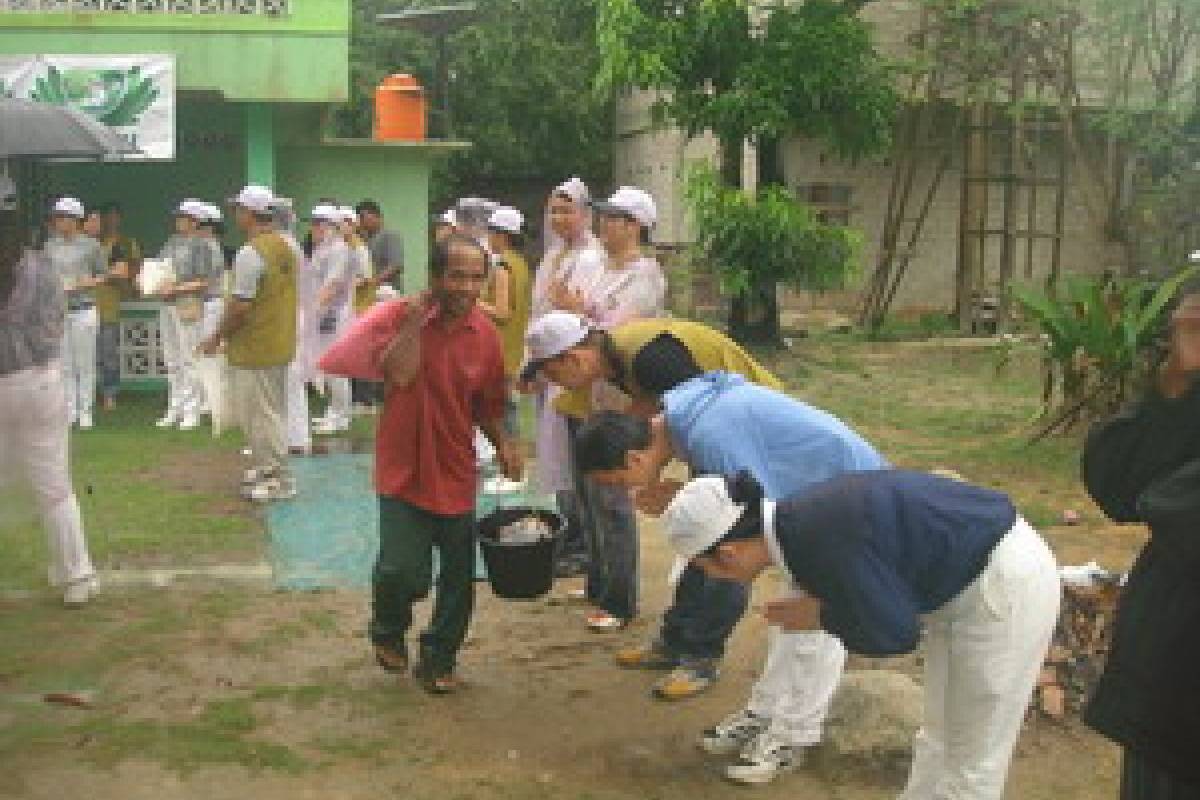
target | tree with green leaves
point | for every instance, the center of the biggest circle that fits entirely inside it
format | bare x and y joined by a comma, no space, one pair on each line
520,91
748,73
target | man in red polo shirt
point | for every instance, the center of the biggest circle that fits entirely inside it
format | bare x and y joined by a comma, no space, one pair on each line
444,375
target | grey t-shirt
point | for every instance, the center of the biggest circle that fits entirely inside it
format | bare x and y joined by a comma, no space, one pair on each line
190,257
248,268
73,260
387,251
32,319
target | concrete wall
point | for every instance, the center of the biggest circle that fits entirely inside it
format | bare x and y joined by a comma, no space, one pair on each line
300,57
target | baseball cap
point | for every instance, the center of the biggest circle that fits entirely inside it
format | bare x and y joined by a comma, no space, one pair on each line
347,214
550,336
324,212
700,515
211,212
68,207
575,189
258,199
633,202
192,208
506,219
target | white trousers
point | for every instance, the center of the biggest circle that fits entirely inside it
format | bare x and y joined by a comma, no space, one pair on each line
185,391
984,650
79,362
33,441
339,398
299,433
797,684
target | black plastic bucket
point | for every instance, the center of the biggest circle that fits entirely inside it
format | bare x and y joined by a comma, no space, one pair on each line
518,571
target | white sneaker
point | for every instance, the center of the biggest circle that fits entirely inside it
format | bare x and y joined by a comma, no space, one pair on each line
764,759
331,425
85,422
168,420
256,475
189,422
79,593
271,490
732,734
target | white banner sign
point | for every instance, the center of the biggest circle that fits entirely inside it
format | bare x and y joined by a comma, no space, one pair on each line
132,94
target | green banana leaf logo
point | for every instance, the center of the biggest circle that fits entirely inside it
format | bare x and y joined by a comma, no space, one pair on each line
117,98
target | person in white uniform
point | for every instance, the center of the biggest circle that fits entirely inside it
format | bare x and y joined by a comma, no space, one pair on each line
875,558
335,266
78,260
182,313
33,415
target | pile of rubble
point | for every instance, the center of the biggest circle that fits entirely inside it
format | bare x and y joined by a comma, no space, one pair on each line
1081,640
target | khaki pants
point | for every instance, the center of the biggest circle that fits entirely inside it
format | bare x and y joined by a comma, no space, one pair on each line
260,409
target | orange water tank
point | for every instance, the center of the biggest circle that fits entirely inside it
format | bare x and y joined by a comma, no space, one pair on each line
400,109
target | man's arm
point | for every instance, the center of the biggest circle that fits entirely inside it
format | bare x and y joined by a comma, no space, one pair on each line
507,450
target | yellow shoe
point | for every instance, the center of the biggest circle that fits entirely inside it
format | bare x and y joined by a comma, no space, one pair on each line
684,682
652,656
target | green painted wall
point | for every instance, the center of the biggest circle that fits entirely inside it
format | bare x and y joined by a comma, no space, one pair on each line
301,58
397,179
209,164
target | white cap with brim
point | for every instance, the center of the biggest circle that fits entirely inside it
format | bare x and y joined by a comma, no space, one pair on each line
347,214
255,198
550,336
193,209
575,189
632,202
506,219
700,516
68,207
212,213
330,215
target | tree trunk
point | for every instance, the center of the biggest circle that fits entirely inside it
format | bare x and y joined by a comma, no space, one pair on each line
754,314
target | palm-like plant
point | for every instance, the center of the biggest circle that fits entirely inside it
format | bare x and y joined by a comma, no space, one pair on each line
1099,337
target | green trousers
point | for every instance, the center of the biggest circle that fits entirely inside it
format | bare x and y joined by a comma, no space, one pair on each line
404,573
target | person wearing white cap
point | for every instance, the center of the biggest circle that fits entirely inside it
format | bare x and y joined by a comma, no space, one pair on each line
258,329
575,356
182,312
571,260
718,422
335,267
79,262
445,224
209,230
507,297
33,414
875,557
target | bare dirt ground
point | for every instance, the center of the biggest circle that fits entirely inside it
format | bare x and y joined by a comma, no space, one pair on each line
248,693
217,691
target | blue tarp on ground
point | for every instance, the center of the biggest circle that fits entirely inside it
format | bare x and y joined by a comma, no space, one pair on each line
328,536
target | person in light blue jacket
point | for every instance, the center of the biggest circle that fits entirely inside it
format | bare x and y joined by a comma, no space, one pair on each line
721,423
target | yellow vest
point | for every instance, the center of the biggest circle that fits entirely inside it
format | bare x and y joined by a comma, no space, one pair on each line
520,295
268,337
110,294
711,349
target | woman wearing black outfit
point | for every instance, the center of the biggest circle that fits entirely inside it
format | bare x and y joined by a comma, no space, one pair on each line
1144,466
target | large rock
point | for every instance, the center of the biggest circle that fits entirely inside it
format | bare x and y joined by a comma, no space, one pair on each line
871,722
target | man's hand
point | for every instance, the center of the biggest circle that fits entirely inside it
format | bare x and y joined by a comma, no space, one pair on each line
566,299
325,297
512,460
402,357
654,498
209,346
794,614
1183,360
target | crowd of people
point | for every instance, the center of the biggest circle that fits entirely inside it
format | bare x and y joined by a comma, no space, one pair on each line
877,558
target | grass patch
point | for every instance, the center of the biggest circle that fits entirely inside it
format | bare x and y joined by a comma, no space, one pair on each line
130,511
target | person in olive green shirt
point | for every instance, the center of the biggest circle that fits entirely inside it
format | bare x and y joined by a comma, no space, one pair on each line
641,358
508,297
258,329
123,255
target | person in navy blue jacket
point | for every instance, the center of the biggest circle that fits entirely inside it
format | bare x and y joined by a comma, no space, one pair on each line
877,556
